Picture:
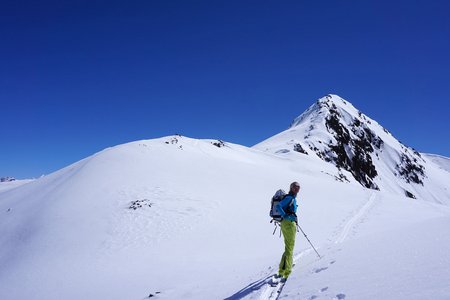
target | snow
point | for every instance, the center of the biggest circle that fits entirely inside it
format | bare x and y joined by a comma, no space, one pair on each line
383,250
442,161
181,218
4,186
405,263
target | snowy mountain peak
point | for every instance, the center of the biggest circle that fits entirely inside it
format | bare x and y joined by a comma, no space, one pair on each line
325,106
362,150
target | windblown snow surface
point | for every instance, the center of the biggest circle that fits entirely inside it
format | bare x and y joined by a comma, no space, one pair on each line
4,186
442,161
181,218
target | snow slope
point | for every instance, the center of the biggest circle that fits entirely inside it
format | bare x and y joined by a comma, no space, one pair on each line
181,218
4,186
389,248
442,161
208,218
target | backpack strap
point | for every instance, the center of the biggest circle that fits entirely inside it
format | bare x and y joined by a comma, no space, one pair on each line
290,203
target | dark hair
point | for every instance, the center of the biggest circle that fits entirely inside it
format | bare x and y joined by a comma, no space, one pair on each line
295,183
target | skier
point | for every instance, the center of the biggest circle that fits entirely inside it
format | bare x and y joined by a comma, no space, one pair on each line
288,209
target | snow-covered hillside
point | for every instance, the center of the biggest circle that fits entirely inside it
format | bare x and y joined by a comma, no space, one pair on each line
181,218
362,150
442,161
7,185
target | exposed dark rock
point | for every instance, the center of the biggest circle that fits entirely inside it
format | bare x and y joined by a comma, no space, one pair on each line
173,140
7,179
332,123
282,151
140,204
410,195
350,154
299,148
341,177
416,153
153,295
219,143
409,170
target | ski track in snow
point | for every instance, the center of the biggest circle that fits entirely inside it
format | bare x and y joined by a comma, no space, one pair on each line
360,214
350,224
271,292
268,292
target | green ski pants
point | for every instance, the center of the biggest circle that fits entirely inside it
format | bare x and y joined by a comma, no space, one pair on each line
289,230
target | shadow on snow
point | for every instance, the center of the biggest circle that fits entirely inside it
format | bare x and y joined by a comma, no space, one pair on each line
250,288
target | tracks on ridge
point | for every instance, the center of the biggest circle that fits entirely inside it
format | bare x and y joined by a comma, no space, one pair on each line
267,292
350,223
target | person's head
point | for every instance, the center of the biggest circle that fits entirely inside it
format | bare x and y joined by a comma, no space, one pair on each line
294,188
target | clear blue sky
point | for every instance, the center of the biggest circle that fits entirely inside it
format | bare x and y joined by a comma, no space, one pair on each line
79,76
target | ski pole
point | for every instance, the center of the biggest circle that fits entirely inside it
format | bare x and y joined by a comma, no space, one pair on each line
298,226
276,224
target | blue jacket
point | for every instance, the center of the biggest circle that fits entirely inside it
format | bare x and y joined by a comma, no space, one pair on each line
283,206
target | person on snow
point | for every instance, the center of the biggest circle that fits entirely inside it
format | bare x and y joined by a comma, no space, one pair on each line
288,210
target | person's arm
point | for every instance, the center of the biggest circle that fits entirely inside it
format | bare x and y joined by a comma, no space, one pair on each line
285,202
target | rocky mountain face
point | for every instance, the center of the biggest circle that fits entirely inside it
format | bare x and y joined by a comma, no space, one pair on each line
333,130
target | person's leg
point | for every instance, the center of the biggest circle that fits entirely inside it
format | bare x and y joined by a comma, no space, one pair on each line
282,265
288,229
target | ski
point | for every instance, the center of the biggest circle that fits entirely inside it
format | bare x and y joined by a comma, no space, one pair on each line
276,284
